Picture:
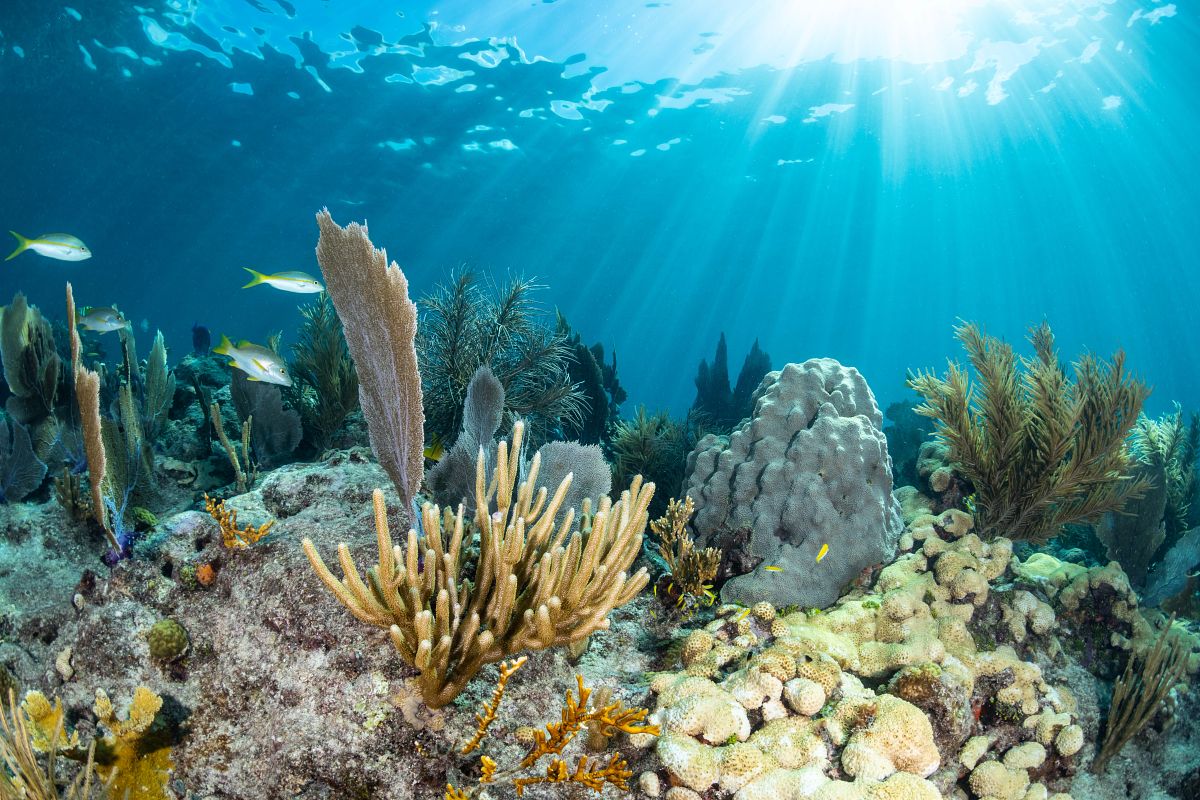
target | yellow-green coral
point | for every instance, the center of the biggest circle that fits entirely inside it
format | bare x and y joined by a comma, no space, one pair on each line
137,763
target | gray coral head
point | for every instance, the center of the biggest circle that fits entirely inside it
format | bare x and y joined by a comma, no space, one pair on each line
810,468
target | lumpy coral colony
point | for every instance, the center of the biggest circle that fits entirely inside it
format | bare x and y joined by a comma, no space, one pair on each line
551,600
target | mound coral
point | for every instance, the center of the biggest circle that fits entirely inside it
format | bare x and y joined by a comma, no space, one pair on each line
810,468
770,703
1040,449
536,585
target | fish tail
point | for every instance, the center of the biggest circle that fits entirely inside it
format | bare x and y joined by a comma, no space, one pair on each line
225,347
22,246
256,280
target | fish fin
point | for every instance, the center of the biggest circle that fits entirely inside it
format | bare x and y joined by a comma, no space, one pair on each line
256,280
245,343
225,347
252,378
22,246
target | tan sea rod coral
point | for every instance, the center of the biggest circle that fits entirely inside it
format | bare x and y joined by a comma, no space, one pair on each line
536,585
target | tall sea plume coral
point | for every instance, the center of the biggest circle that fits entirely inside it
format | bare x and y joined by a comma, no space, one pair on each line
380,323
324,372
537,584
464,327
1040,448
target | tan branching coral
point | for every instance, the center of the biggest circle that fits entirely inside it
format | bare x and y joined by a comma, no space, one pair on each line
487,714
87,395
605,715
232,536
1139,692
1041,450
692,570
244,473
536,585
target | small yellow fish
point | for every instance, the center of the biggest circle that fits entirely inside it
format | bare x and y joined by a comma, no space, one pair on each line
62,246
435,449
823,551
297,282
773,568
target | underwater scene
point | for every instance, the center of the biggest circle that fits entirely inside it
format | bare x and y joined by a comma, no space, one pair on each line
685,400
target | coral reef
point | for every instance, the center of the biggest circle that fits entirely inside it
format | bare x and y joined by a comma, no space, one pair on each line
810,468
914,682
1040,449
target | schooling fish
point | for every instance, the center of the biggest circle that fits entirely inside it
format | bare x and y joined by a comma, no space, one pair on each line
62,246
298,282
821,553
258,362
102,320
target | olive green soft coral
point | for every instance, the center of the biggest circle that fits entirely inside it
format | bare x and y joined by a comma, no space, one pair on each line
537,584
1041,449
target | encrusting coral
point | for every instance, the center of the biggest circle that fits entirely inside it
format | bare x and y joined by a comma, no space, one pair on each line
380,325
536,585
772,704
1040,449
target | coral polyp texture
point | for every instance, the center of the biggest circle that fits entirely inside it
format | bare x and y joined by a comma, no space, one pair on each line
808,469
923,684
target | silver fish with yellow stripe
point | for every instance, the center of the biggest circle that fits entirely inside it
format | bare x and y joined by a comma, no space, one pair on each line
258,362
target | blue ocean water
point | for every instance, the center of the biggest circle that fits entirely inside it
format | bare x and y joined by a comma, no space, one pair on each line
838,179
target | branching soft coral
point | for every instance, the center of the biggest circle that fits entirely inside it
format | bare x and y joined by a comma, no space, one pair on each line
464,327
538,583
1041,450
691,570
324,372
37,726
1137,695
577,713
232,536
